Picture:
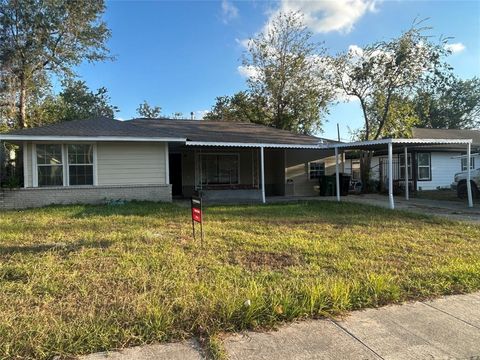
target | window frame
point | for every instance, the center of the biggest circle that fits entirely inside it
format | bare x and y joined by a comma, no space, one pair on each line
463,167
199,170
410,167
36,166
418,166
65,163
322,164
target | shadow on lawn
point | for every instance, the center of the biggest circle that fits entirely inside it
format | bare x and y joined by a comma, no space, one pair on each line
59,247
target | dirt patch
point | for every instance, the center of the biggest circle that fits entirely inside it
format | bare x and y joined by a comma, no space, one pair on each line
259,260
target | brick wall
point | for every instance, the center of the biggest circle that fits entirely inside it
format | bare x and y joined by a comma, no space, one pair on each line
37,197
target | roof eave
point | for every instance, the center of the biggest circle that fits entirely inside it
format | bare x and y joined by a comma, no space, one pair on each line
88,138
256,145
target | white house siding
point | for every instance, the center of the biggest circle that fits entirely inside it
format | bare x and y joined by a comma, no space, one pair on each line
443,170
131,163
296,170
28,164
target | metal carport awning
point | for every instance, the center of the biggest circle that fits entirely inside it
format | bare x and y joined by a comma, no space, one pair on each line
402,144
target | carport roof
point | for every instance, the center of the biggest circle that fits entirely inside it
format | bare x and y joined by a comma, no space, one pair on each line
396,143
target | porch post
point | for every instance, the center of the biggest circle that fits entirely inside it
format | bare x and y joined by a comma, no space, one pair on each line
337,174
390,176
407,196
469,185
262,173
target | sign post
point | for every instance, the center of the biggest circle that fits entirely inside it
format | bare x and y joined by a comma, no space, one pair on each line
197,215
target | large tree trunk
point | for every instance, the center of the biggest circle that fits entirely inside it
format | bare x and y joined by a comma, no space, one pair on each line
22,105
365,165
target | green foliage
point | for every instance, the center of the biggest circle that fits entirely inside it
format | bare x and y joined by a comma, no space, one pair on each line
242,107
145,110
39,37
451,105
383,75
286,88
75,102
80,279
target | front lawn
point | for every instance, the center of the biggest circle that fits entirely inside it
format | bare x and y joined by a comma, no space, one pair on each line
81,279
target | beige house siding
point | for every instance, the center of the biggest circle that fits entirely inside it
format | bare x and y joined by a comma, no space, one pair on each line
131,163
296,170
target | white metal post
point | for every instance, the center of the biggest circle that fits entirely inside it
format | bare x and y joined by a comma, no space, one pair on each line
390,176
337,174
407,195
469,185
262,173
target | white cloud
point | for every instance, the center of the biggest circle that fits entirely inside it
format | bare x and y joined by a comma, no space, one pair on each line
355,50
244,43
199,114
455,47
248,71
329,15
229,11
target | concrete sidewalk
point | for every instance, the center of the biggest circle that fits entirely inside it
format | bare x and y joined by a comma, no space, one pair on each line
446,328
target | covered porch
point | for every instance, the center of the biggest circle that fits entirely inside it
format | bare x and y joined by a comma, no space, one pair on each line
402,146
246,172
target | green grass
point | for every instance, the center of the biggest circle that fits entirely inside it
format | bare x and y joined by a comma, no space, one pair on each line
80,279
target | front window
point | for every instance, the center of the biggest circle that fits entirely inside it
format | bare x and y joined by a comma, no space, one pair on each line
219,169
316,169
464,164
424,166
49,165
80,164
402,166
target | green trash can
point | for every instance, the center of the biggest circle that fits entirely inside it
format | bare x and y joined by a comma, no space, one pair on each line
327,185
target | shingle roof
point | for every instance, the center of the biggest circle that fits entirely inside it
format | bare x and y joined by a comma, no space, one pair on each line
95,127
191,130
423,133
219,131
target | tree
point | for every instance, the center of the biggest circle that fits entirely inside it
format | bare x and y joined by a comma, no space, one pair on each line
454,105
385,73
287,75
75,102
38,37
241,107
145,110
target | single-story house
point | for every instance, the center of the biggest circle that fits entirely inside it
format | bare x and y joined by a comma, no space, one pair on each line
101,159
429,167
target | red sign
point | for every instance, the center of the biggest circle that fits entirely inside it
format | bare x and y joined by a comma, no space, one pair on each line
196,215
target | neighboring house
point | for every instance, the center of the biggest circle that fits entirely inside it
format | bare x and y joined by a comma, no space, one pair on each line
429,167
96,160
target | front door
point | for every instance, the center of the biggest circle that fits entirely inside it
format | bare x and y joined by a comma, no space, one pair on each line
175,170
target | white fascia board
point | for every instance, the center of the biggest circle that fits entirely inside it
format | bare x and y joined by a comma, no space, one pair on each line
359,144
255,145
89,138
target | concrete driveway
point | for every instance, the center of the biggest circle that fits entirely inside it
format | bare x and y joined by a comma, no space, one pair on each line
446,328
455,210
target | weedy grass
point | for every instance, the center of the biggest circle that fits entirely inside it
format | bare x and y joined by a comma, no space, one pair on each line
81,279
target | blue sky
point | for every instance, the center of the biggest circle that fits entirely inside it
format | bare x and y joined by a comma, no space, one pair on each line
180,55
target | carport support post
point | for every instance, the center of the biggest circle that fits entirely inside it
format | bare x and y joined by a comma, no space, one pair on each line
390,176
262,173
469,185
407,195
337,174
